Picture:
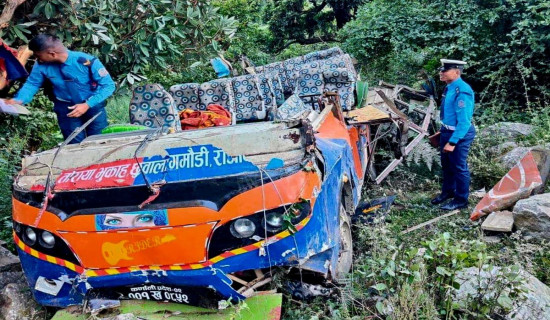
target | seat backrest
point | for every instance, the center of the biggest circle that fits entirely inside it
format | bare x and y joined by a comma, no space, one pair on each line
186,96
291,66
323,54
309,81
275,85
275,68
293,107
341,80
153,107
216,92
249,104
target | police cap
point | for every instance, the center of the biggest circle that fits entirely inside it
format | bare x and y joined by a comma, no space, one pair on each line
447,64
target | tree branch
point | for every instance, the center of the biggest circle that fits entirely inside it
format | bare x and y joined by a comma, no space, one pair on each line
307,41
7,13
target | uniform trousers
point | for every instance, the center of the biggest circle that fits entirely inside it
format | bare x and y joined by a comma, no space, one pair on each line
68,124
456,175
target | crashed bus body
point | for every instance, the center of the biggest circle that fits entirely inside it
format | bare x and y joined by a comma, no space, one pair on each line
195,217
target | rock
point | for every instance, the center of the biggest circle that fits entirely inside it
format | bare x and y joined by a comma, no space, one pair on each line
17,303
8,261
532,216
536,302
504,147
501,221
507,130
479,193
11,277
542,158
511,158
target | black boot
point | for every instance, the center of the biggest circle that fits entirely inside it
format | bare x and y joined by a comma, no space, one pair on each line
442,197
454,205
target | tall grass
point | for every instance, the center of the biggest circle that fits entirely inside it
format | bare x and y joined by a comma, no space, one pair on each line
117,109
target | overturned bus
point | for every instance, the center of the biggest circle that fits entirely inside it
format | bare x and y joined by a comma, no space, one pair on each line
202,216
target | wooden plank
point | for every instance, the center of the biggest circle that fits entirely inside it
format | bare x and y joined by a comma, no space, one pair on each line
452,213
366,114
501,221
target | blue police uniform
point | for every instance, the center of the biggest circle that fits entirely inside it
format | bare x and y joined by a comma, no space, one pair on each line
457,109
81,78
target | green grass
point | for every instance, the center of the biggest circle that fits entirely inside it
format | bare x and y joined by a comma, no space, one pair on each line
118,109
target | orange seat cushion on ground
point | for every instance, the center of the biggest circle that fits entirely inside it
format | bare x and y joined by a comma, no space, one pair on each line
215,115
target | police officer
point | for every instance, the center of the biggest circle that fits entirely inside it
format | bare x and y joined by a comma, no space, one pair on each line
457,134
81,84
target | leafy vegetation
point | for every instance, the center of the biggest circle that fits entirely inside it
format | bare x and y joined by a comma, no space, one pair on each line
129,36
504,42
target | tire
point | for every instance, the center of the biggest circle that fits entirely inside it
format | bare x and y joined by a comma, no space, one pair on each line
345,254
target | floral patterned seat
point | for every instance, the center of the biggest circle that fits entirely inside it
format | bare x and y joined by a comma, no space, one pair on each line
186,96
290,65
341,80
153,107
272,69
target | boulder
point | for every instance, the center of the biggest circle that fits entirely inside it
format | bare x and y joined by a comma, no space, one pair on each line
507,130
534,305
502,148
17,303
8,261
509,159
532,216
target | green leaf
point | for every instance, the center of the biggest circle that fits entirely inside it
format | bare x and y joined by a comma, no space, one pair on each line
380,287
48,10
442,271
380,307
505,301
144,50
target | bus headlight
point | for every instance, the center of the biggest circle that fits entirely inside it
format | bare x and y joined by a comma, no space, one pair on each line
243,228
47,239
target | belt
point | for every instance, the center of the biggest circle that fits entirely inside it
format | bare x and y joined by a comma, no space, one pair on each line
452,128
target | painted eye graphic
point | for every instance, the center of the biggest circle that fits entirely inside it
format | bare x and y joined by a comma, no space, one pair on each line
113,221
145,218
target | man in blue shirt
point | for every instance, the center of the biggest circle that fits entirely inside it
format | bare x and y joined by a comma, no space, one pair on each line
457,134
81,84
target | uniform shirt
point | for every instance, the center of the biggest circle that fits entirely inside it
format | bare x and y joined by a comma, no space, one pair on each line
458,108
75,70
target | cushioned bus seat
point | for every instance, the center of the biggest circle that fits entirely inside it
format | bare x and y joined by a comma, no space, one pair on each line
341,80
249,104
153,107
275,85
291,65
323,54
186,96
291,108
216,92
